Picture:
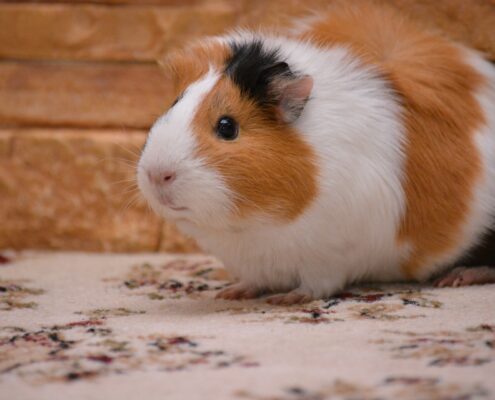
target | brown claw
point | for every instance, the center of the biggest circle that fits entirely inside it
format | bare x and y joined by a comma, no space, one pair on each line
288,299
463,276
238,292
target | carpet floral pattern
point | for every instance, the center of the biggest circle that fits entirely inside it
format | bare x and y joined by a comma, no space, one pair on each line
116,326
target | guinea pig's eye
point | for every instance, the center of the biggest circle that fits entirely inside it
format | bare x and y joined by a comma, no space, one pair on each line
227,128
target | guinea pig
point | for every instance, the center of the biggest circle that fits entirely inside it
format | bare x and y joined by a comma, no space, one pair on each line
355,147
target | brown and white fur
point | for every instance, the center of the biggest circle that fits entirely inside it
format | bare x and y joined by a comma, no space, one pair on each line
365,151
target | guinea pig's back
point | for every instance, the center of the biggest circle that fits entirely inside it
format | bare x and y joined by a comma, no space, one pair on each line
483,252
447,97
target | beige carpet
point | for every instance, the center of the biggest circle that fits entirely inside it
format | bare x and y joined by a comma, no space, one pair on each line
76,326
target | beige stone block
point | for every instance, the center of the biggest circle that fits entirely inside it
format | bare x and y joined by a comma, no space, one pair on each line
116,2
5,144
82,95
99,32
72,189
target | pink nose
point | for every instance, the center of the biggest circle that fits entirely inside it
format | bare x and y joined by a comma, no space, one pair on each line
162,177
169,177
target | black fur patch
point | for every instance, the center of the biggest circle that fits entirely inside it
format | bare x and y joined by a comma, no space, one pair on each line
481,255
253,68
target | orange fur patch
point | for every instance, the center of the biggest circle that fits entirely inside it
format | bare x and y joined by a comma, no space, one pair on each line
441,116
187,65
471,22
268,167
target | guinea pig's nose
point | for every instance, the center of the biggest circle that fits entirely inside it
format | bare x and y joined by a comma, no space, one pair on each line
162,177
169,177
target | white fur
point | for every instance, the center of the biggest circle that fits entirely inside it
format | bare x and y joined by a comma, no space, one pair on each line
171,147
483,216
349,233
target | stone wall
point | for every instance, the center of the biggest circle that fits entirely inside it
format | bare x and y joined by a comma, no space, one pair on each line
79,87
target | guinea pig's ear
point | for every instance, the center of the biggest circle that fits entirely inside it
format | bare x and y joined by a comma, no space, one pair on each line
290,92
293,98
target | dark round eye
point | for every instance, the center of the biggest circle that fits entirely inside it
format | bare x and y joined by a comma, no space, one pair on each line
227,128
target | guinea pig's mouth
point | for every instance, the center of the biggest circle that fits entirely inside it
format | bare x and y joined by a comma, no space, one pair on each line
174,208
165,201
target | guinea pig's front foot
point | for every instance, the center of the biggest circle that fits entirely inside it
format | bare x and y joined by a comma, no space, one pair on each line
466,276
239,291
296,296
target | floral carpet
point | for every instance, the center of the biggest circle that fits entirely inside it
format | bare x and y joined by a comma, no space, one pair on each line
78,326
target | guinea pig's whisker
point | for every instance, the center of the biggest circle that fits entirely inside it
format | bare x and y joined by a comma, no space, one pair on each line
120,159
130,163
127,191
128,180
149,209
135,152
125,184
134,148
131,202
127,161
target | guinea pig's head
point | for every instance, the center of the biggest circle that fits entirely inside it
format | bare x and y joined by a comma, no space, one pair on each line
226,150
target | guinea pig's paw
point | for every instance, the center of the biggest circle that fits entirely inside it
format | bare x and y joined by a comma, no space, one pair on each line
296,296
464,276
239,291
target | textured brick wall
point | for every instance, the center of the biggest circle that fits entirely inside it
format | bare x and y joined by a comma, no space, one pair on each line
79,88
